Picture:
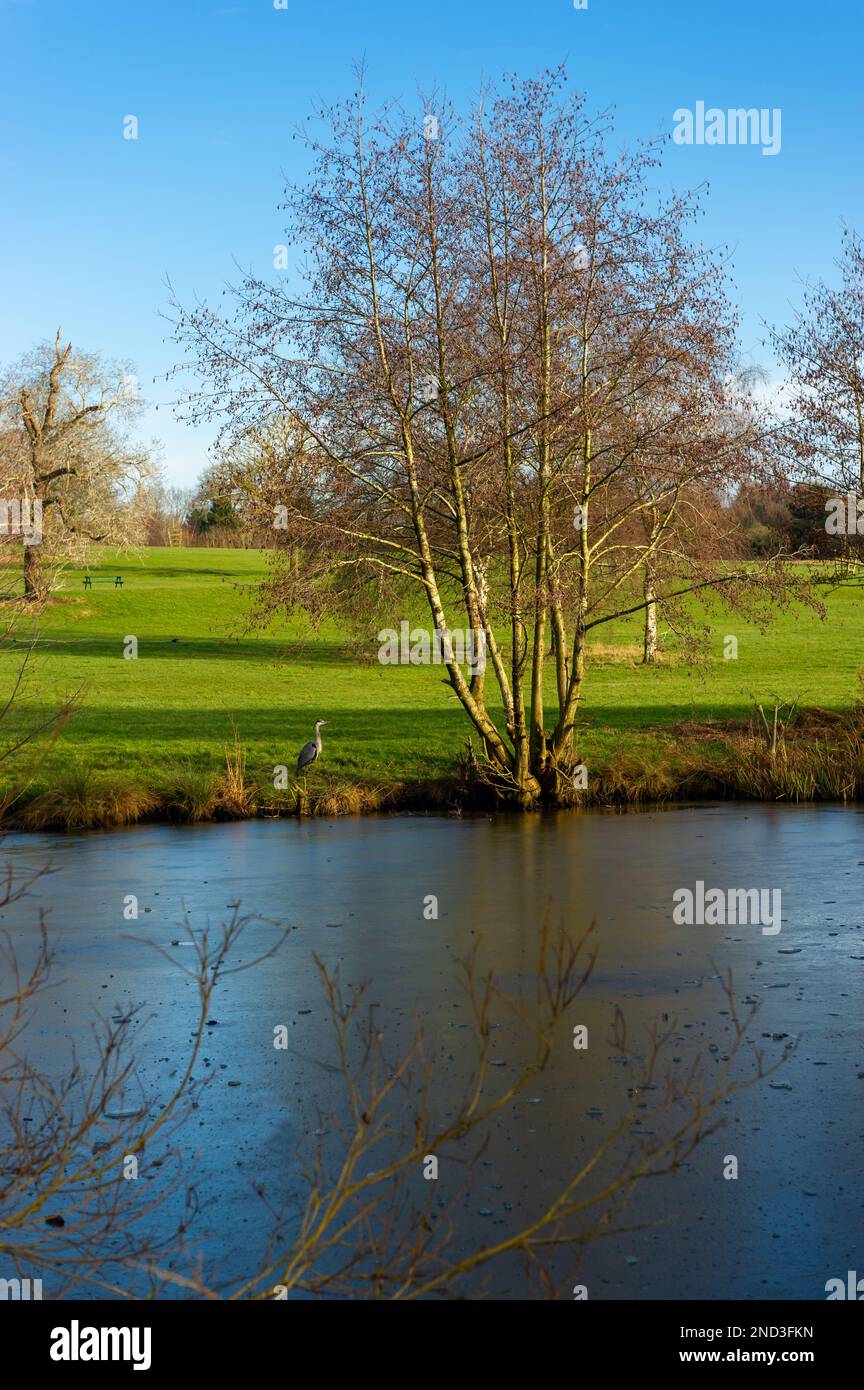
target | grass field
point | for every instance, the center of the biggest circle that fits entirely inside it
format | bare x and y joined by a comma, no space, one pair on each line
198,668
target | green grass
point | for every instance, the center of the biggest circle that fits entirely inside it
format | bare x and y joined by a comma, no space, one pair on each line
170,711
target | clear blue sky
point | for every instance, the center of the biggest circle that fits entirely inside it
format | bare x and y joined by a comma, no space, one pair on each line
92,223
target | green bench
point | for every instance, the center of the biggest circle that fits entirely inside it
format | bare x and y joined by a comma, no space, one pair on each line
91,579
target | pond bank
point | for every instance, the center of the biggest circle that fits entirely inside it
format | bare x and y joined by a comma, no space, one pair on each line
818,759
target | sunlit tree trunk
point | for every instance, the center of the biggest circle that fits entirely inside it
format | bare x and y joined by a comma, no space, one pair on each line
649,645
34,579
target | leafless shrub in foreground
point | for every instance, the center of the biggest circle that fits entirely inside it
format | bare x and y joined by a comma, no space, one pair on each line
71,1136
371,1228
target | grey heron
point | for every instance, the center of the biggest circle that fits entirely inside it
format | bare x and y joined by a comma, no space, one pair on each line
311,751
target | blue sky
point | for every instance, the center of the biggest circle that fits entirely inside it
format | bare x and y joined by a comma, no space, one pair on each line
92,224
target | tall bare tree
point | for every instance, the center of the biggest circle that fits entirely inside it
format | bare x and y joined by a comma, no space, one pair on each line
504,333
823,354
66,459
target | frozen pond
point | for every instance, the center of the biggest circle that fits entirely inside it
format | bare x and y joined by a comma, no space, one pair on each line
357,889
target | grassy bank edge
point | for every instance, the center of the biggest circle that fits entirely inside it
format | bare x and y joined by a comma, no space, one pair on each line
820,758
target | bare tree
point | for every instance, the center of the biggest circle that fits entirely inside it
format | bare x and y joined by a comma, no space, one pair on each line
504,329
166,509
66,458
822,427
823,354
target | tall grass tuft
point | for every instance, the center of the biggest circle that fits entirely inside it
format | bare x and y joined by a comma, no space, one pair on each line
346,799
190,795
237,797
82,799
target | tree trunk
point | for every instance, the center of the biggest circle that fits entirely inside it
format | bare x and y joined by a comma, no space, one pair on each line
649,648
33,577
